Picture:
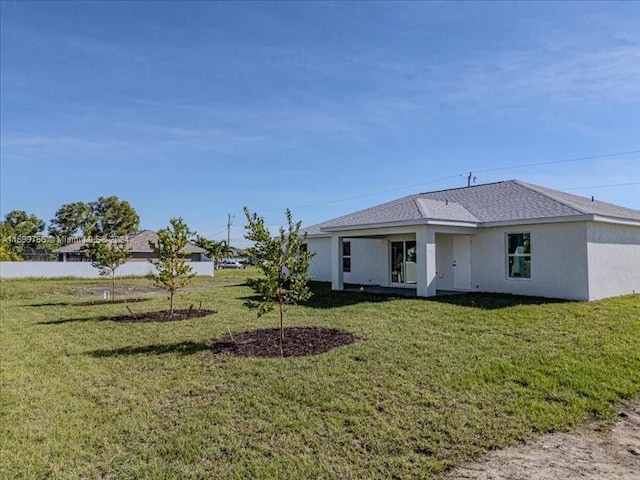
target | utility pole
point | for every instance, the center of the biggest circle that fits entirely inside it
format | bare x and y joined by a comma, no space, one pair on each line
229,225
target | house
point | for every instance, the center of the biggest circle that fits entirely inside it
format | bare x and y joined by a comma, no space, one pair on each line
138,245
508,237
31,254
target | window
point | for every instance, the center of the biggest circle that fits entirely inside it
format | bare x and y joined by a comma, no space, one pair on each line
519,255
346,256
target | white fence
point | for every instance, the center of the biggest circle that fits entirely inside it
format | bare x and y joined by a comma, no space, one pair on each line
85,270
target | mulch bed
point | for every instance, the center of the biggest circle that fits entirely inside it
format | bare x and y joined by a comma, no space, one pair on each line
163,315
298,342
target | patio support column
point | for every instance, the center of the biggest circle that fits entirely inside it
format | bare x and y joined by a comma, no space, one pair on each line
337,277
426,260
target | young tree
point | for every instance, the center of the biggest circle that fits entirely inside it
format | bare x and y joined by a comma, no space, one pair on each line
107,256
173,272
284,263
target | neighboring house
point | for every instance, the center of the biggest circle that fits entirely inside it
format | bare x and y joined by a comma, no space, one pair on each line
37,254
138,244
507,237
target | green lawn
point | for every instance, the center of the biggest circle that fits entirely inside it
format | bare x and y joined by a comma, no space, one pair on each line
431,383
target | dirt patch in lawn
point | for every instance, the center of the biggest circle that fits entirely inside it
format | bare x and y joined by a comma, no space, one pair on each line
164,315
124,290
298,342
119,291
588,453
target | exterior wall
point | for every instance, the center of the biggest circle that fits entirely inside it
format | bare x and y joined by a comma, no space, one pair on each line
614,260
369,261
559,267
320,264
572,260
84,269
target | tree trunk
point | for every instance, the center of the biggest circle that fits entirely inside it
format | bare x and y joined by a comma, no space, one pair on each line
113,285
171,303
281,306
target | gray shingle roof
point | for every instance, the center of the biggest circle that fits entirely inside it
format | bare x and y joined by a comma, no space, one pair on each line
506,201
137,242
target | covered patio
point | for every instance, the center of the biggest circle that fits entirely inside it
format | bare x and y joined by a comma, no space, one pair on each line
411,261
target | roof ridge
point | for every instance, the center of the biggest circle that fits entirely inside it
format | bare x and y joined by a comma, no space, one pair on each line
389,203
535,188
463,188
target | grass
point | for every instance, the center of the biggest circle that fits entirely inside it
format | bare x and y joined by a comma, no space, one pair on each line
432,383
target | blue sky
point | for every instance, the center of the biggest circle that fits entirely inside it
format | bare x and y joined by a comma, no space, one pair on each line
197,109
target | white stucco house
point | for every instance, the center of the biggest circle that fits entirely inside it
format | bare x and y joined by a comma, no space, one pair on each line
507,237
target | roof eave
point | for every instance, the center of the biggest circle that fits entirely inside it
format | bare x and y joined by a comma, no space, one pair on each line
402,223
563,219
317,235
616,220
327,231
537,221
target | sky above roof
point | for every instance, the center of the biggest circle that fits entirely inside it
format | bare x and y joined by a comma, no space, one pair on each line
197,109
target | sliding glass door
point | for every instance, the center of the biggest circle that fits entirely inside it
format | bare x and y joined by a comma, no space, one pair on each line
403,262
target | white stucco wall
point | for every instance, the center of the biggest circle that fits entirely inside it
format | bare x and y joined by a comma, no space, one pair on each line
558,261
320,264
614,260
572,260
85,269
369,260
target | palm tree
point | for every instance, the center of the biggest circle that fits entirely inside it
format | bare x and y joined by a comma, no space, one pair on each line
216,251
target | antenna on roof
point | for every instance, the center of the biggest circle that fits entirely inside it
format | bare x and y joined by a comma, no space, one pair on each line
471,178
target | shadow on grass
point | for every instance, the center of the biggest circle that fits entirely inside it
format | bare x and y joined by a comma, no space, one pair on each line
324,297
71,320
492,301
182,348
90,303
240,284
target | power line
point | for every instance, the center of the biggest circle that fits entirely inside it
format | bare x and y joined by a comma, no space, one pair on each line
371,194
219,232
449,177
458,175
602,186
594,157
